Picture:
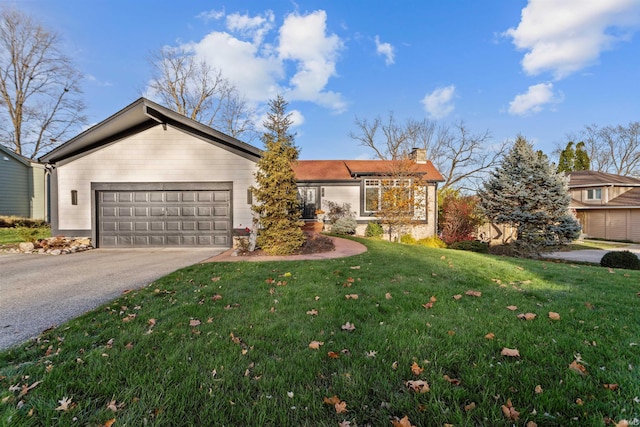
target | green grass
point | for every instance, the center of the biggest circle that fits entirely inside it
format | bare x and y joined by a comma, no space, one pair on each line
10,236
248,362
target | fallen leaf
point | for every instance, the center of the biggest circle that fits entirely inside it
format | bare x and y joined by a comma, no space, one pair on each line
416,369
512,307
418,386
341,407
151,322
404,422
473,293
622,423
371,354
471,406
112,406
388,295
315,345
510,352
428,305
64,404
589,305
216,297
351,296
331,400
611,386
538,389
578,368
579,402
355,267
531,424
348,327
450,380
490,336
554,315
333,355
194,322
313,312
451,333
109,423
526,316
457,296
509,411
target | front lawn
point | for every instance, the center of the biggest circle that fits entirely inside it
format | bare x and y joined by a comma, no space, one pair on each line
360,339
15,235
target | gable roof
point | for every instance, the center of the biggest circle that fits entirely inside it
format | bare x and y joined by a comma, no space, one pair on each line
6,151
598,179
143,114
348,170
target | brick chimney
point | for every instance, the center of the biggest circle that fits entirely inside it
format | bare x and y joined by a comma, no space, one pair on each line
418,155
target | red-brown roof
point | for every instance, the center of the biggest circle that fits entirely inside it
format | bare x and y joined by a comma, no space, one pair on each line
341,170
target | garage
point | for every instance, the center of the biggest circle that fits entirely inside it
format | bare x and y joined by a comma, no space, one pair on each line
163,214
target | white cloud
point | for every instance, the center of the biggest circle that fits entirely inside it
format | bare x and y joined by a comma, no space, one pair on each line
211,15
563,37
250,54
534,99
439,103
255,27
303,39
386,50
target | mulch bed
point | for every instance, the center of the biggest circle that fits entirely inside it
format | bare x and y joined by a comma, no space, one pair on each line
315,243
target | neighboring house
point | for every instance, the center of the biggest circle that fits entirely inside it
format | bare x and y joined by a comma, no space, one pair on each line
607,205
148,176
361,183
22,186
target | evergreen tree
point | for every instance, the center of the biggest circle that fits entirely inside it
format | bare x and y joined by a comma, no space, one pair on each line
276,195
581,161
567,158
574,159
526,192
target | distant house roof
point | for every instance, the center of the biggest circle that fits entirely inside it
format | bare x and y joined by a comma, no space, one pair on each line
598,179
344,170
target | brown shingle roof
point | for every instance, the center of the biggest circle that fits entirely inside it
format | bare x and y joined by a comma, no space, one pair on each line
337,170
629,198
593,178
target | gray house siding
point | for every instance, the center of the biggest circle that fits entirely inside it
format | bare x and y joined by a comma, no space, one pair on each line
22,186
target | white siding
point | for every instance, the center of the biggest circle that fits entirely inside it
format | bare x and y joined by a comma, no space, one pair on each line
154,155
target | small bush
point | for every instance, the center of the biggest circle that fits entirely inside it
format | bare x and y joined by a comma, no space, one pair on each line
344,225
373,230
432,242
408,239
621,259
471,245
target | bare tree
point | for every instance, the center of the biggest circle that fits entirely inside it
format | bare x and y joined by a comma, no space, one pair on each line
193,88
612,149
460,155
39,87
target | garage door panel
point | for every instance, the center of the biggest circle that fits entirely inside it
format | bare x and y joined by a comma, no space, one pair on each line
164,218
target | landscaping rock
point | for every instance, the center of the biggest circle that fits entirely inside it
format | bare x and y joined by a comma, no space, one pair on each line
58,245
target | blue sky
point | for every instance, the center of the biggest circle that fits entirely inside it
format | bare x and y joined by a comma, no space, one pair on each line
540,68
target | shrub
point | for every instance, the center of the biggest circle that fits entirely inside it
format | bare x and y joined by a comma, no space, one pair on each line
337,211
373,230
432,242
344,225
28,234
471,245
621,259
408,239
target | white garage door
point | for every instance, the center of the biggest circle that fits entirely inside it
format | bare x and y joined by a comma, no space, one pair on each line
142,218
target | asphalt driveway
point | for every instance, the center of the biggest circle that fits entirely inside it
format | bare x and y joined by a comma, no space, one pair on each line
41,291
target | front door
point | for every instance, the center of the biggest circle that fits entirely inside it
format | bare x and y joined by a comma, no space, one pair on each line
308,201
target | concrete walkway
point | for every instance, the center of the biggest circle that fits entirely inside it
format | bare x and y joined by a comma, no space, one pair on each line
591,255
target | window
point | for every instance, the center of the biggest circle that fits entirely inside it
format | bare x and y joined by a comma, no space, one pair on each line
594,194
74,197
376,189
